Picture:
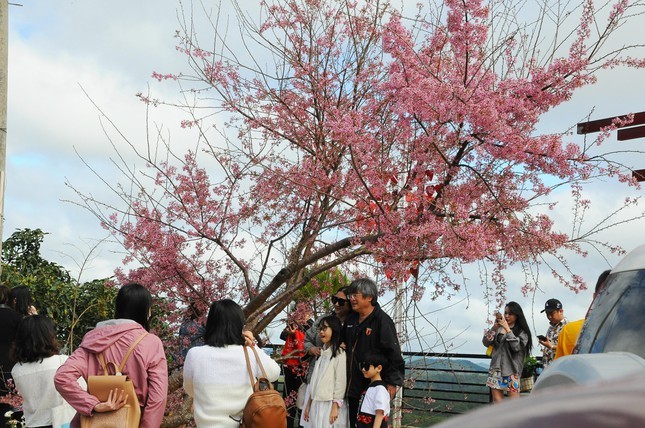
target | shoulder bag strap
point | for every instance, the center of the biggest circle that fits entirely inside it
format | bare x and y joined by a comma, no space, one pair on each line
257,358
248,366
102,361
127,354
119,370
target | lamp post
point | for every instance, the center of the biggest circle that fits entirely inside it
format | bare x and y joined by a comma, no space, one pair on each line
4,36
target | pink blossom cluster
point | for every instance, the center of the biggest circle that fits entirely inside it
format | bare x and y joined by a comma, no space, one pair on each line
160,77
13,398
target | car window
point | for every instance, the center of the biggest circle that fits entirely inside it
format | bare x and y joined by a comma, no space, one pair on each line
617,319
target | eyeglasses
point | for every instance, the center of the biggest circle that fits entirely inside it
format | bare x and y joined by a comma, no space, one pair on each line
338,301
354,295
323,327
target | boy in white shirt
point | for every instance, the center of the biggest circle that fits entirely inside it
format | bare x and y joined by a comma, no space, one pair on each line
374,407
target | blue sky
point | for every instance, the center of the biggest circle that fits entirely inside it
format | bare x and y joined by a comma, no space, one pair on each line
110,48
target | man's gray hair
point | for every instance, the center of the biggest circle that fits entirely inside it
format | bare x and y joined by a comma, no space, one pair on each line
366,287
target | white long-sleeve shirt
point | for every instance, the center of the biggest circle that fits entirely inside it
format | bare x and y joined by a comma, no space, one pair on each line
219,383
35,383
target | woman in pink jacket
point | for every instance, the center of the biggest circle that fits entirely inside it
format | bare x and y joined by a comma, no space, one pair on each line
146,366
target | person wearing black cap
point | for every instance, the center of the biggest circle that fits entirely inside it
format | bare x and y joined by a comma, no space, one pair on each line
555,315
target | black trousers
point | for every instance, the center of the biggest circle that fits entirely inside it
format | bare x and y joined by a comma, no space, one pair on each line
352,409
291,384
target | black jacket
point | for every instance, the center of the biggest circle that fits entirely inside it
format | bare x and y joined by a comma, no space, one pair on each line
9,320
376,332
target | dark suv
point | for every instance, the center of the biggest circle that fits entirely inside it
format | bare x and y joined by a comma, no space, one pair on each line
611,343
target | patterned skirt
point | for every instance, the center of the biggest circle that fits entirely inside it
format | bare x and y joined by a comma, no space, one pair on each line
504,383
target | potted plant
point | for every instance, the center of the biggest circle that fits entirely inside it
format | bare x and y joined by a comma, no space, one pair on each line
531,364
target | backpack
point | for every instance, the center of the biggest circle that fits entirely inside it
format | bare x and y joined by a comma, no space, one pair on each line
100,386
265,407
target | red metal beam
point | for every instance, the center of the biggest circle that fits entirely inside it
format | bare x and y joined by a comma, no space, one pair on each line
630,133
595,125
639,174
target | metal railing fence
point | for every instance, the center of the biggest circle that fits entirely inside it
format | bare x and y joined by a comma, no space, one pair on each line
438,385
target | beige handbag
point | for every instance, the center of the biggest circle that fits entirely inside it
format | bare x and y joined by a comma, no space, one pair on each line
100,386
300,398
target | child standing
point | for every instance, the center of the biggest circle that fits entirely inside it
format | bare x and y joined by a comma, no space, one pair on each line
374,407
324,399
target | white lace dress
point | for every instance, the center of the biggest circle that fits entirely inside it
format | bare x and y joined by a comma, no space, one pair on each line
319,412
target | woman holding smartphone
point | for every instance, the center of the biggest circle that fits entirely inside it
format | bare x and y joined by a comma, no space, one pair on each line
511,340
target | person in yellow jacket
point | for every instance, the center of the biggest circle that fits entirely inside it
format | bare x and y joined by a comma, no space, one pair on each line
569,333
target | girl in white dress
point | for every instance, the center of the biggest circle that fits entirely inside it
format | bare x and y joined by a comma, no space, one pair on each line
324,399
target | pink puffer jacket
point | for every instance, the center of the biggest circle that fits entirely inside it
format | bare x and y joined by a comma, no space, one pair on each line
146,366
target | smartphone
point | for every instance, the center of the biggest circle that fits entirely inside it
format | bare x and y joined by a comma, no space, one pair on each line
541,337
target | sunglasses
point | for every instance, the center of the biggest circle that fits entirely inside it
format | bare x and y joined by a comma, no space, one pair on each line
338,301
365,366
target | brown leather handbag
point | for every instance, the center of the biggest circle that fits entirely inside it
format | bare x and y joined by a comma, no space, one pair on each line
265,407
100,386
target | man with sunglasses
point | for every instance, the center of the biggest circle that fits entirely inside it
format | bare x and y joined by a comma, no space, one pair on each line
367,329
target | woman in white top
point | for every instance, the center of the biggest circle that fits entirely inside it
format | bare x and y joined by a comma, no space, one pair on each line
35,351
215,374
324,398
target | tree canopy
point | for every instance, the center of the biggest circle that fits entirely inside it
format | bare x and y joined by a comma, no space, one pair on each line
342,132
74,307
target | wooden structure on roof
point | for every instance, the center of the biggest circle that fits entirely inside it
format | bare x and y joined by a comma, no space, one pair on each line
633,130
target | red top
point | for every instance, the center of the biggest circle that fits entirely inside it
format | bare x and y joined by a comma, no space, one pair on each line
294,346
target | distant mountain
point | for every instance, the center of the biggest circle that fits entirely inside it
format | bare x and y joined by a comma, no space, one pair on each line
440,363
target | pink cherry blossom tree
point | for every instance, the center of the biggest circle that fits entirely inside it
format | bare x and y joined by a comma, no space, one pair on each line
335,133
331,133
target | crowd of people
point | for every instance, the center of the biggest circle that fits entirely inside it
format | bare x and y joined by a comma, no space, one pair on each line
344,368
347,364
510,338
351,350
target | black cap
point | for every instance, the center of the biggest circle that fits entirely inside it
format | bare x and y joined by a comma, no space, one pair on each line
552,305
